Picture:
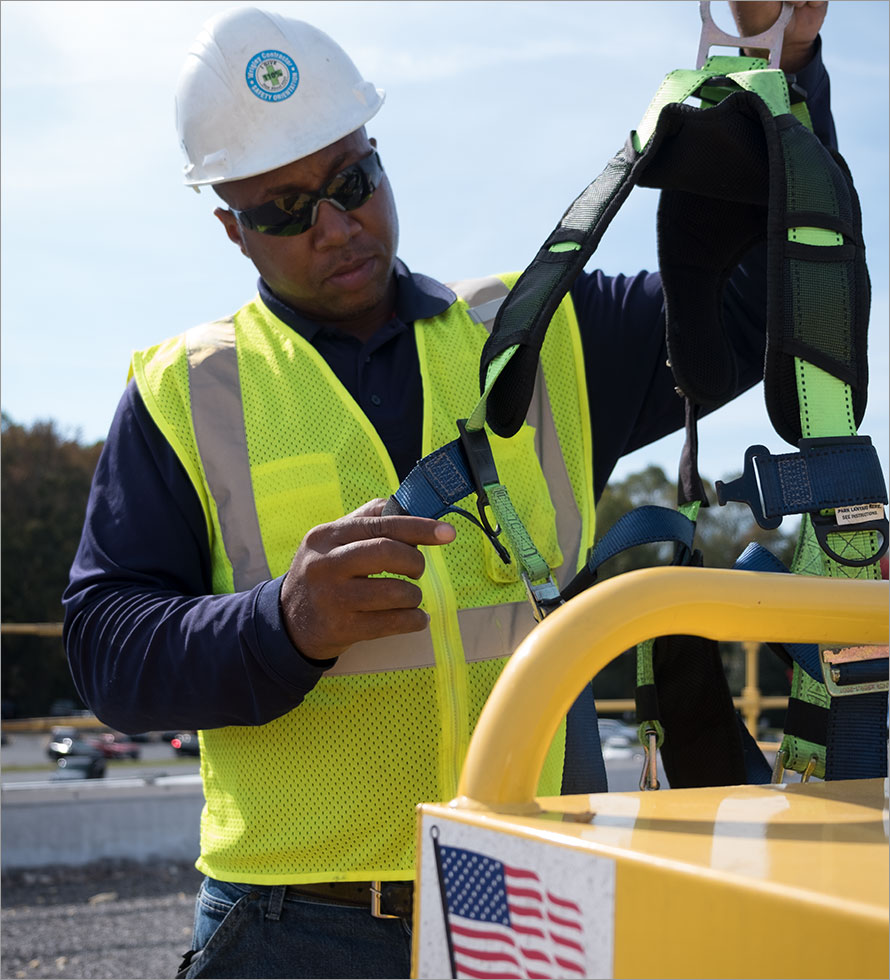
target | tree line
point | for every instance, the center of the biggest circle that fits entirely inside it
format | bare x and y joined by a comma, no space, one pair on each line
44,484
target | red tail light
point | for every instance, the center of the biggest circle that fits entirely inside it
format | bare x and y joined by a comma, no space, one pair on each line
176,743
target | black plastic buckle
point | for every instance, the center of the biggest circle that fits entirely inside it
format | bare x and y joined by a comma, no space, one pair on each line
746,489
480,463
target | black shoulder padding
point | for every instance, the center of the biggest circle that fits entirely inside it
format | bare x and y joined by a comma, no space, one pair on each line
819,295
525,314
731,176
713,170
702,744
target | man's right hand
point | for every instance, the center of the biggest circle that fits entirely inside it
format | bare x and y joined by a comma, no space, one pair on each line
328,601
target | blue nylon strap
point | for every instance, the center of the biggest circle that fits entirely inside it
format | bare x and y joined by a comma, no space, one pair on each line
757,770
436,482
826,473
857,736
861,672
756,558
856,745
645,525
584,770
821,476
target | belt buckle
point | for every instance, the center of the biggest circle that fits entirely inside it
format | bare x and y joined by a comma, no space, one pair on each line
829,659
376,904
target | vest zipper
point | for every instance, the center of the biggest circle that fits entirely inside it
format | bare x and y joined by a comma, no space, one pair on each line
451,675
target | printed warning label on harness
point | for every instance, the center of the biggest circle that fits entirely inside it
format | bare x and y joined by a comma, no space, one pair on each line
858,513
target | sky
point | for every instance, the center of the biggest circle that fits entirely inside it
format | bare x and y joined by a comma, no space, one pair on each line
497,115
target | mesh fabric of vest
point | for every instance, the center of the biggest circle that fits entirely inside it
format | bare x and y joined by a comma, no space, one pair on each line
327,792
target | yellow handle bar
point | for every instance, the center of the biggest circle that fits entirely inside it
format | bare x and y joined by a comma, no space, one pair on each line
554,662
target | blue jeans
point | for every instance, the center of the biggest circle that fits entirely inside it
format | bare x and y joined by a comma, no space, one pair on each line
264,931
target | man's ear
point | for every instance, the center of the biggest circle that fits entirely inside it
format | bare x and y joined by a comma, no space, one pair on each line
232,227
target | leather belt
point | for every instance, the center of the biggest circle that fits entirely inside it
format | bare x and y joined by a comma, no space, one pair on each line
384,899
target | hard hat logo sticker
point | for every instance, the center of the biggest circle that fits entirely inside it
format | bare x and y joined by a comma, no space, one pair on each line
272,76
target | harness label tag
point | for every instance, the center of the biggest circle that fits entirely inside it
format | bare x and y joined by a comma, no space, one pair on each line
858,513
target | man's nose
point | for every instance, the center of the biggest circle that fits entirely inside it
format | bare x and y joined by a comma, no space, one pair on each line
333,226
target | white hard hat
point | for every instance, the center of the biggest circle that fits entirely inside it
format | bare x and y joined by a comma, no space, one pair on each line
258,91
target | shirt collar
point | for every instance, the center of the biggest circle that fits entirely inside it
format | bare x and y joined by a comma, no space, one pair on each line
417,297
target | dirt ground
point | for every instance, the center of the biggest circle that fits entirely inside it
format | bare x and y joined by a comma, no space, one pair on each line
107,920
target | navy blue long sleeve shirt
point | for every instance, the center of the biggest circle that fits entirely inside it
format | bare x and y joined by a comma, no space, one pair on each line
150,648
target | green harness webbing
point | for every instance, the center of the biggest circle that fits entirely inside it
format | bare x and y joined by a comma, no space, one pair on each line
747,165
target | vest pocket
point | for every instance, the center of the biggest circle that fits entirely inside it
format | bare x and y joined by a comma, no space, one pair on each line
520,472
293,495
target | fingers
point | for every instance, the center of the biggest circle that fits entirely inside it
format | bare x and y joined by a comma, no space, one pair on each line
333,594
369,525
371,545
380,595
378,556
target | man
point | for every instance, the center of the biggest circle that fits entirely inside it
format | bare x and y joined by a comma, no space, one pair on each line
236,574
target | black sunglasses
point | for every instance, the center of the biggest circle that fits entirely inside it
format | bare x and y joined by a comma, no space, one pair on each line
292,214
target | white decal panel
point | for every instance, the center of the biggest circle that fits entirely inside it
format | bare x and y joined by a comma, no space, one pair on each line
494,905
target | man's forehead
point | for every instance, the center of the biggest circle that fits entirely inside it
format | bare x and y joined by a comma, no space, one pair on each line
307,174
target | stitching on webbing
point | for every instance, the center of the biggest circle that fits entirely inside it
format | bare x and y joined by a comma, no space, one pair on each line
445,478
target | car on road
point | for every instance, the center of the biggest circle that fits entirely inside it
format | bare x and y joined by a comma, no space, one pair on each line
72,745
66,741
186,743
114,746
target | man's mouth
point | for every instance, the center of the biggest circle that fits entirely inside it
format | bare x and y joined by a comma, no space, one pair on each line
353,274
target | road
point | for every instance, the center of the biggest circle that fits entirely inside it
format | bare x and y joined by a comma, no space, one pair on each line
24,759
27,754
113,919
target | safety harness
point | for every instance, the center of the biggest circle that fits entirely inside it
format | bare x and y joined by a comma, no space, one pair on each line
742,168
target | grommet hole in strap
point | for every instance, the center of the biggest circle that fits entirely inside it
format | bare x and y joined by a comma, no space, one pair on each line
825,527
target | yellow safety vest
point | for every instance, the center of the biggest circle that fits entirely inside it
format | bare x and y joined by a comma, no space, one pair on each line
274,446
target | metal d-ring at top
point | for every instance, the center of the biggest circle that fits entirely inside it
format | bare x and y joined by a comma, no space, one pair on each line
771,39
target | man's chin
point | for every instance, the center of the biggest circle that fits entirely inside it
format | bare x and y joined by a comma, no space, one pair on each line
345,306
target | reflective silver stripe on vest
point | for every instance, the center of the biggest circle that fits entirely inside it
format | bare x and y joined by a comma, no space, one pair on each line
485,313
218,418
486,634
568,517
484,297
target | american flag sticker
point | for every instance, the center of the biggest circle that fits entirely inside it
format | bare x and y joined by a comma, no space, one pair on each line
522,914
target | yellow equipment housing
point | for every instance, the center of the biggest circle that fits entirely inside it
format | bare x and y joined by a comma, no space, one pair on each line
782,880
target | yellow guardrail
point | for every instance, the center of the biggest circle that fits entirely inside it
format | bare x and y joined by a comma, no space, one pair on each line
32,629
551,666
